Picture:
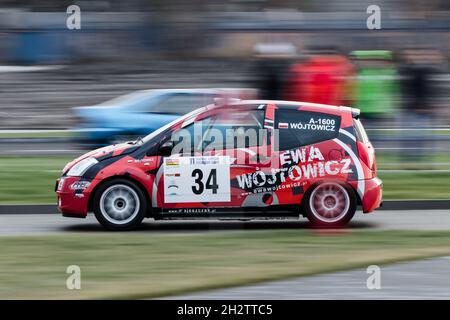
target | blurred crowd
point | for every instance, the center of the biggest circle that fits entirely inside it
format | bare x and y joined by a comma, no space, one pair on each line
387,87
392,89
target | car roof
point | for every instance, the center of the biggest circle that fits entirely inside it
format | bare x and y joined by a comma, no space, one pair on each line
286,104
195,90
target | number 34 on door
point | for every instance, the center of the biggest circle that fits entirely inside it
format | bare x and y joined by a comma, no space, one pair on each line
197,179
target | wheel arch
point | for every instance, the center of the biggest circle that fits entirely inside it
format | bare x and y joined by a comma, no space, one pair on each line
342,218
344,183
123,177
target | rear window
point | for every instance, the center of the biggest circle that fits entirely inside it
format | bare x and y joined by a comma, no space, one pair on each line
301,128
361,134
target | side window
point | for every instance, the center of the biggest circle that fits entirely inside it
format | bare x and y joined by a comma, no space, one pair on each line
229,129
235,129
188,139
300,128
181,103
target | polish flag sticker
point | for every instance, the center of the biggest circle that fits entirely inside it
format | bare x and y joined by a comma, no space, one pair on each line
282,125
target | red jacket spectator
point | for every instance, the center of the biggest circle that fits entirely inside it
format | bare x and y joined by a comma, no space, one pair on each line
322,79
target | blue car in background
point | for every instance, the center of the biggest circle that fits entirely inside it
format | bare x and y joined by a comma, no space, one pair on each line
139,113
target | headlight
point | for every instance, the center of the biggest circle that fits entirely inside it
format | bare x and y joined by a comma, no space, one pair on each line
81,167
60,184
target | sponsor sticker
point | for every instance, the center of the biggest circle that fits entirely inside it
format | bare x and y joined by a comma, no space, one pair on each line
171,162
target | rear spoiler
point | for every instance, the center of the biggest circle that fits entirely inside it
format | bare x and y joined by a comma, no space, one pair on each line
355,113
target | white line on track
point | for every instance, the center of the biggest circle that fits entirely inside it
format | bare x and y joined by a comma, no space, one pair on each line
45,150
35,130
29,68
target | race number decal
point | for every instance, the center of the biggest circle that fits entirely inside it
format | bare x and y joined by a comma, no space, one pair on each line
197,179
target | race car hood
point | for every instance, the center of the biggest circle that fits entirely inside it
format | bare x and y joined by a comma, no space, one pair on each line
104,153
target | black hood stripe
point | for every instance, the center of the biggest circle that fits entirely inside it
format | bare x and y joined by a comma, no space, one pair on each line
95,169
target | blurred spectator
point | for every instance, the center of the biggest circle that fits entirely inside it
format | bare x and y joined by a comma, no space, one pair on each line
418,95
272,63
323,78
376,91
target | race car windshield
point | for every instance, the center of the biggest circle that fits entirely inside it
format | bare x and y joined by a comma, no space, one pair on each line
169,125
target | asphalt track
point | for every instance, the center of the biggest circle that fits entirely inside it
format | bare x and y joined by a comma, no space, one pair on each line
422,279
47,224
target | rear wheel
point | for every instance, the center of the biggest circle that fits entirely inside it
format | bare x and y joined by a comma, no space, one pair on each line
330,204
119,205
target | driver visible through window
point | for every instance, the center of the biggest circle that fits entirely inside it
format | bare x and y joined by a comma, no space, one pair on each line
231,129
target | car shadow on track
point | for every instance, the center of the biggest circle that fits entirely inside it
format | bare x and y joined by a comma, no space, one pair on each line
215,225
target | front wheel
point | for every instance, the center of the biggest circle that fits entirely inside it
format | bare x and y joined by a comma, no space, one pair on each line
330,204
119,205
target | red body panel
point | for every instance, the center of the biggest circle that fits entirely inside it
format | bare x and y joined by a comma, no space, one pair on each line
68,202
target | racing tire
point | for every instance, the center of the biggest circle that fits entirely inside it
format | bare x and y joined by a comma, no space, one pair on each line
119,205
329,204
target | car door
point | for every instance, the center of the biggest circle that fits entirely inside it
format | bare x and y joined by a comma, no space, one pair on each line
248,148
219,173
191,180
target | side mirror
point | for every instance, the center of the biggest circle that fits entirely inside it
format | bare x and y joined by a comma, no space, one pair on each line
166,148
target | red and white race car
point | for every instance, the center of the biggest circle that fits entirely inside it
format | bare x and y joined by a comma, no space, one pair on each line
244,160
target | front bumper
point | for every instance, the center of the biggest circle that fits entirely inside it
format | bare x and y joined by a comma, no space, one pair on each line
71,203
